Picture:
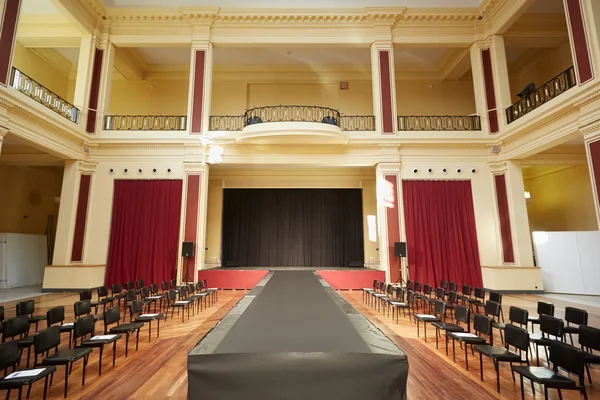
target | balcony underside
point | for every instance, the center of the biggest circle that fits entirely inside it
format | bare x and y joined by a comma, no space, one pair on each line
291,133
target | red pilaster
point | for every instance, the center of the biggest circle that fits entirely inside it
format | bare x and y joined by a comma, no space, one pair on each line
8,33
579,41
490,91
191,223
81,217
198,91
508,254
387,115
94,91
393,229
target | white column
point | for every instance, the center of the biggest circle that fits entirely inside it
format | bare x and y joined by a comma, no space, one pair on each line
199,98
108,62
3,132
84,75
388,198
501,81
592,149
517,206
384,88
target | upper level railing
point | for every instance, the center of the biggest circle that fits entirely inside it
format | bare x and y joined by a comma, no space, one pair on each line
145,123
292,114
549,90
43,95
439,123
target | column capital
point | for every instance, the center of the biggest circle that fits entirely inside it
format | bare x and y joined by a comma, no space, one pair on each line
195,167
591,132
88,167
388,167
498,167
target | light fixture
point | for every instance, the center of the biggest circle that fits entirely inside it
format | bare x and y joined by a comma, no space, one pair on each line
215,154
540,237
527,195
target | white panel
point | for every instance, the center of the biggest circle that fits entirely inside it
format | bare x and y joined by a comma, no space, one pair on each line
569,261
589,261
25,258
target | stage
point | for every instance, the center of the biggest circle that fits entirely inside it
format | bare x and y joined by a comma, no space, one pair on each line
294,337
246,278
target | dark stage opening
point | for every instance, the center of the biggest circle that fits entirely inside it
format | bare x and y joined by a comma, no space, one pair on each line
292,227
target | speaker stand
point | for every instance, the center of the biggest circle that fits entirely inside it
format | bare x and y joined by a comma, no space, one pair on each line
187,264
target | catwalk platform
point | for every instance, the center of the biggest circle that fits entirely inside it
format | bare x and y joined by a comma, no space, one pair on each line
248,277
293,337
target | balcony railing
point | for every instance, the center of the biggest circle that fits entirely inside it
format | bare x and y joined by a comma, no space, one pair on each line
226,123
439,123
43,95
549,90
292,114
145,123
318,114
357,122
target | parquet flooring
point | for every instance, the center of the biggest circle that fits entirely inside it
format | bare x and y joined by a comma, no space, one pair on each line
158,369
433,375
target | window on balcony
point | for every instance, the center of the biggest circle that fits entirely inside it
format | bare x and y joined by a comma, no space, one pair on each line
539,57
434,89
149,89
302,82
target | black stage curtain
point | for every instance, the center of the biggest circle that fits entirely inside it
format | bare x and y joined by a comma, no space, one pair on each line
292,227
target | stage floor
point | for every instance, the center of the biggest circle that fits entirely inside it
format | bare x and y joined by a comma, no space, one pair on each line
295,268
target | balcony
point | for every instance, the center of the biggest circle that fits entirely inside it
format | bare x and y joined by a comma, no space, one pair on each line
540,96
305,114
145,123
43,95
439,123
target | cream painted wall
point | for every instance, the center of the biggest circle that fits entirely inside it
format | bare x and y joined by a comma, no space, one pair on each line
544,66
562,201
369,199
214,223
484,200
416,97
149,97
38,69
27,199
234,97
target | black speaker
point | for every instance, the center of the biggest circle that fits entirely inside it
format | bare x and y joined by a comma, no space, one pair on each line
400,249
187,249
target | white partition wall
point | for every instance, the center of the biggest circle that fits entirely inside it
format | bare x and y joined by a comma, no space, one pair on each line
22,259
570,261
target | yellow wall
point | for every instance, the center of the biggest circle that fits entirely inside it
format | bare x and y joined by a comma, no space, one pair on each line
214,221
562,201
234,97
544,66
27,199
37,69
149,97
369,199
415,97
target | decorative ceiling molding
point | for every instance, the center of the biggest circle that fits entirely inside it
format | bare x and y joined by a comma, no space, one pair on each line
47,31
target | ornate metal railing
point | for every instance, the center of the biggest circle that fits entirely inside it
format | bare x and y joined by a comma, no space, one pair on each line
145,123
226,123
439,123
292,114
357,122
43,95
549,90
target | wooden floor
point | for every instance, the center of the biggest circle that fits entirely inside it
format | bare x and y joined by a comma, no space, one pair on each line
158,369
433,375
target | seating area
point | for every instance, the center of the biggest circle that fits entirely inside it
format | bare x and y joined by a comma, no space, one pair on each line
97,323
473,322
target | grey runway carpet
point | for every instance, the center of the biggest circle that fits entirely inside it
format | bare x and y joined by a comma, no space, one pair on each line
293,313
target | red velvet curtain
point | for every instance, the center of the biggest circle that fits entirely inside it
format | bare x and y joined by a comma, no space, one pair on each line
144,235
440,232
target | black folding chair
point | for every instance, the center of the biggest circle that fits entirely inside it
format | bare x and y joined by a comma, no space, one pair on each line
552,330
543,308
136,311
516,337
577,317
17,328
439,311
113,316
27,307
86,326
9,357
462,314
56,315
48,339
482,325
589,339
562,356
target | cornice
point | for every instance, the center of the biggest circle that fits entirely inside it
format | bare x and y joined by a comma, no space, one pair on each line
594,127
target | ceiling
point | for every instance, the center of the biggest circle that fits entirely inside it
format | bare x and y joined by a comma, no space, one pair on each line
546,7
166,55
38,7
294,3
18,152
70,53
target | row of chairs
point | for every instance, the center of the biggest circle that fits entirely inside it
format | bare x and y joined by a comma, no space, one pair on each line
390,297
82,338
